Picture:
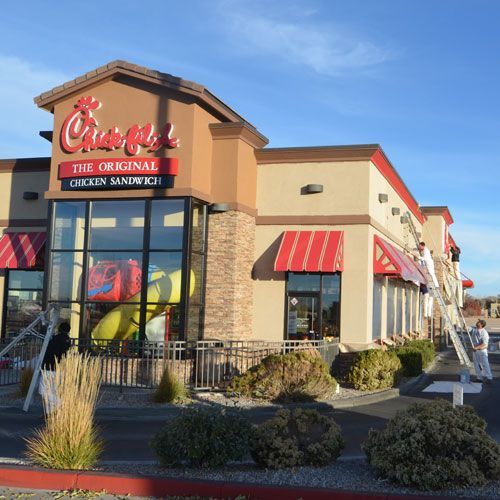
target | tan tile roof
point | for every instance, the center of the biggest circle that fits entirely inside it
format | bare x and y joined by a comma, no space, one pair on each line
47,99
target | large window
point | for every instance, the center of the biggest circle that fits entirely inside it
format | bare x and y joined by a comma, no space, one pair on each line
129,269
378,288
23,300
391,296
313,306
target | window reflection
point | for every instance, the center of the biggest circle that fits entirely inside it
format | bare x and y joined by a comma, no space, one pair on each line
66,275
167,224
117,225
68,229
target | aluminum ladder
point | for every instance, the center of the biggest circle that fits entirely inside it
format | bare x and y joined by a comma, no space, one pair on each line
436,293
49,319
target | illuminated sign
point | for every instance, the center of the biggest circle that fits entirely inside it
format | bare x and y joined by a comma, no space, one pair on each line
80,133
118,173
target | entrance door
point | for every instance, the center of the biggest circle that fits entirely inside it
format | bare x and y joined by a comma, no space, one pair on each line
303,321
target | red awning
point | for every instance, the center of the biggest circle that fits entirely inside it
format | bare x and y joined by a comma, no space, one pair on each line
21,250
311,251
389,260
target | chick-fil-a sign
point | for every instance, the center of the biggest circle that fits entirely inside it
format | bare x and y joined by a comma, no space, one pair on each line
80,133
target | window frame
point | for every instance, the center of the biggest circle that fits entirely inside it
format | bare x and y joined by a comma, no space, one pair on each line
312,293
185,252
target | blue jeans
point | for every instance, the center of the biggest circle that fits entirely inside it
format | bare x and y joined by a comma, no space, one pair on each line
482,365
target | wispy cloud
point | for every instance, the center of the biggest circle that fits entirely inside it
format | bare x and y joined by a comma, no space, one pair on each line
326,49
21,81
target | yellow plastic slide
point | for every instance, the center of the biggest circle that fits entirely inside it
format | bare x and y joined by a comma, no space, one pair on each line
123,321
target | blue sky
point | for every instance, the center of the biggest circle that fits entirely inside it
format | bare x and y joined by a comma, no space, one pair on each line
420,77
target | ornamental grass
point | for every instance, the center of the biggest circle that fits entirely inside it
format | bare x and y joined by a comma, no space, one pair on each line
69,439
170,389
24,385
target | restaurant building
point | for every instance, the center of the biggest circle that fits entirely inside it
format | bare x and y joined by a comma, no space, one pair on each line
161,214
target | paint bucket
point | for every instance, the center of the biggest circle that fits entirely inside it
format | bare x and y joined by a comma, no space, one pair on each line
464,376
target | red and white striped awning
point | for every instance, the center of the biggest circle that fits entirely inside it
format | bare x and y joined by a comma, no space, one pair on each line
311,251
390,261
21,250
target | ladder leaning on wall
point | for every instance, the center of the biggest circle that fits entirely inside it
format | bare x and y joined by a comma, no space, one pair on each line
48,319
435,292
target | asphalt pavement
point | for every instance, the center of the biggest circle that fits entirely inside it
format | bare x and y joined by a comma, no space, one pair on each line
128,431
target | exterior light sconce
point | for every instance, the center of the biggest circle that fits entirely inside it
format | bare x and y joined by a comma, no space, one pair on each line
419,234
313,188
404,219
218,208
396,211
383,198
30,195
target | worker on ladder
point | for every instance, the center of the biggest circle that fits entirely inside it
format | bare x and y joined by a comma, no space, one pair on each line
425,258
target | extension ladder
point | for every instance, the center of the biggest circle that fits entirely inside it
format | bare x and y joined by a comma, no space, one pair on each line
436,293
48,319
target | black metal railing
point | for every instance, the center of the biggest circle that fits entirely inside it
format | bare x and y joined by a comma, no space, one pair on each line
207,364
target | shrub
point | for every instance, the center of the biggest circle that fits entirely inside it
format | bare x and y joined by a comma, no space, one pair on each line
301,437
411,361
24,385
170,389
69,438
374,369
202,438
434,446
426,347
296,376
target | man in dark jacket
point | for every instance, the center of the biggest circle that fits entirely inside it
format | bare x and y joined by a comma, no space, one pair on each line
57,347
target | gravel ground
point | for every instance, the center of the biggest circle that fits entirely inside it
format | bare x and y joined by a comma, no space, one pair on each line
111,397
352,475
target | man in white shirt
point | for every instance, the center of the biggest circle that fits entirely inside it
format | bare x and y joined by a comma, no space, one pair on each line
426,259
480,339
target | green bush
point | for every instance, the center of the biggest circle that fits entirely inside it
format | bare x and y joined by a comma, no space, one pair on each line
411,361
205,437
170,389
296,376
434,446
374,369
301,437
426,347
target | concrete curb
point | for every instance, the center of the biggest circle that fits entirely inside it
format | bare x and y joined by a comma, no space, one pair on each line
122,484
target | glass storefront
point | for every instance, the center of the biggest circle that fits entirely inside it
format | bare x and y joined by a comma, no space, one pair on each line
129,269
23,301
313,306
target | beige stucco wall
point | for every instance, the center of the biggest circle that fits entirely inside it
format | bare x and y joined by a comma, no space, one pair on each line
345,188
433,233
12,205
356,286
382,212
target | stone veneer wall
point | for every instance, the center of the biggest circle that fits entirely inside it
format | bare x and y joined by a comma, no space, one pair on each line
229,290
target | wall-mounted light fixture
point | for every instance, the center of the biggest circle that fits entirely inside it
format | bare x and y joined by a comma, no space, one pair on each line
419,234
383,198
404,219
313,188
30,195
396,211
217,208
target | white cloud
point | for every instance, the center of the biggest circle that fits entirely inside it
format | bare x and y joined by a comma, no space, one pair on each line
326,49
21,121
